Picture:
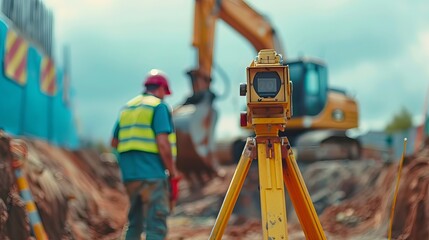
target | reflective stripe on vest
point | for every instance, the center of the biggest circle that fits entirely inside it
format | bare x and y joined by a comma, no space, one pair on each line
135,131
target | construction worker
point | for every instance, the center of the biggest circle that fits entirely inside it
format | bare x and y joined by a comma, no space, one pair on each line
145,140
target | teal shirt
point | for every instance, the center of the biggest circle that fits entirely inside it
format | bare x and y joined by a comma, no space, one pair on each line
139,165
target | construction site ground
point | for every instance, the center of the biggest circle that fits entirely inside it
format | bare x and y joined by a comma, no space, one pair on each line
79,195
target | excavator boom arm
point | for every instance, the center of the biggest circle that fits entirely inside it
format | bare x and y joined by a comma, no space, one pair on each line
205,17
240,16
251,25
196,118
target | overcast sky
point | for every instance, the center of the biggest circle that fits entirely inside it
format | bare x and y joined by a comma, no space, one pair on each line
376,50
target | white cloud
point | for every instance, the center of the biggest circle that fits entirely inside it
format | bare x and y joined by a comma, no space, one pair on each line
383,86
420,52
72,11
299,6
371,57
228,127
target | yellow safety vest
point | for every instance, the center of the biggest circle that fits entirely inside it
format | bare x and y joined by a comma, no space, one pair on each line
135,131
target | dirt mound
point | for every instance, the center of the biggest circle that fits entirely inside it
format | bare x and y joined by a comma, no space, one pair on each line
79,196
78,193
368,213
353,199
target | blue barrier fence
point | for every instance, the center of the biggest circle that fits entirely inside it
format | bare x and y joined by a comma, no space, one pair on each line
27,111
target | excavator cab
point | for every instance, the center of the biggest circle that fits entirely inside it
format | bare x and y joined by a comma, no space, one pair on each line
310,91
310,88
321,115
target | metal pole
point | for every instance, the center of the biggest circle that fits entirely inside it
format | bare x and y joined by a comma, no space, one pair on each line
19,152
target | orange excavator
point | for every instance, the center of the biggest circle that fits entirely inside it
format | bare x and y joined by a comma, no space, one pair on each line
321,115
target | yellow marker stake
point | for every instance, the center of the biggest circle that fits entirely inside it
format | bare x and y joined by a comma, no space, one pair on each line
392,211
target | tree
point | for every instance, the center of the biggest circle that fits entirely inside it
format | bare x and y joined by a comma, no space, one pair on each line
401,121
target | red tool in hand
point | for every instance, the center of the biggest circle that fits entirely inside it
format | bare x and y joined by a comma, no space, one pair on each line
174,188
174,191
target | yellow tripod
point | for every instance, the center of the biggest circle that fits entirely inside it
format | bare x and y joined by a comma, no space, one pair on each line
268,102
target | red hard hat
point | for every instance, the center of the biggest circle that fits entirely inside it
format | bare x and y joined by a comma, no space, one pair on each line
157,77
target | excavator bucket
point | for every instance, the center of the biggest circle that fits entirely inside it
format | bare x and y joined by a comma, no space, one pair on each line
194,122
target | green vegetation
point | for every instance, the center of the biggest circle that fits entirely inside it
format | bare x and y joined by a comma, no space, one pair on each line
401,121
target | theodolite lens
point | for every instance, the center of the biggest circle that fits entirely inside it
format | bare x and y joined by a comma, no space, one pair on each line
267,84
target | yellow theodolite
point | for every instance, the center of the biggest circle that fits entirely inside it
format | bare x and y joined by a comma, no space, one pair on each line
269,92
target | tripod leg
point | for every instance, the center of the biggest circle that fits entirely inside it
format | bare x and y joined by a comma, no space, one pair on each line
300,197
273,204
233,190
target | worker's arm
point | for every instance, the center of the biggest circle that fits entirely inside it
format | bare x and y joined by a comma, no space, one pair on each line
163,126
164,148
165,153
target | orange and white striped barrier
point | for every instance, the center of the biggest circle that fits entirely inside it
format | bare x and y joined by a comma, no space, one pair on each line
15,59
19,152
48,80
